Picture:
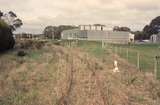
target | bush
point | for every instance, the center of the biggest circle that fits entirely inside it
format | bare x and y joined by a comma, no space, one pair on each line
6,37
21,53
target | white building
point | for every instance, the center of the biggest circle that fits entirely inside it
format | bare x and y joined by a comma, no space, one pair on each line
155,38
97,33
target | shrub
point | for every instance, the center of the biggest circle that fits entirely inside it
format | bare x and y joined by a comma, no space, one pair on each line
6,37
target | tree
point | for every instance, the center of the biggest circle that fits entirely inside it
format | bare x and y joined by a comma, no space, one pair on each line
62,28
12,14
139,35
55,31
6,37
16,24
117,28
11,19
8,23
50,31
152,28
99,25
1,14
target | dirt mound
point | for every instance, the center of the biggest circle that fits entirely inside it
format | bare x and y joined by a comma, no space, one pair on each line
60,76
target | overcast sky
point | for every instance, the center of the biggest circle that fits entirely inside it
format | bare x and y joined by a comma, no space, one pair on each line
37,14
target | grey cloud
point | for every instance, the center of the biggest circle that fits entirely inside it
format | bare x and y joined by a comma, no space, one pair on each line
36,14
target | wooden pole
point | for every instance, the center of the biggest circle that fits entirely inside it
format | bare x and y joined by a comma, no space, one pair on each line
155,67
127,54
120,51
115,50
102,43
138,60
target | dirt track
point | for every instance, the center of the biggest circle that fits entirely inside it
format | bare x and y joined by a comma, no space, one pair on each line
98,85
66,76
94,87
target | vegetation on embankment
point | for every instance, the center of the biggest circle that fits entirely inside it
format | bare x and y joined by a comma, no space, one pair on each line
147,54
54,75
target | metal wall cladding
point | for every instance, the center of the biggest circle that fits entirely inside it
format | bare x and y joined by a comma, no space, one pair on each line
110,36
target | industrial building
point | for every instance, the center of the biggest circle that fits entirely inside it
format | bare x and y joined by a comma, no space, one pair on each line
97,33
155,38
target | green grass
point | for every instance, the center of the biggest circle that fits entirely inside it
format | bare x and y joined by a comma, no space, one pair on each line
147,54
93,47
35,54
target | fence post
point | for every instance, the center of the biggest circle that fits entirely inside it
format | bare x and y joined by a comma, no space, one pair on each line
127,54
155,67
77,42
138,60
102,44
119,50
69,43
115,50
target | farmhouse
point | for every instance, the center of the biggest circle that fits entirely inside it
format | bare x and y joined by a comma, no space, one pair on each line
97,33
155,38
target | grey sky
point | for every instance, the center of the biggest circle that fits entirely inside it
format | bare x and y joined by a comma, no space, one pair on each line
36,14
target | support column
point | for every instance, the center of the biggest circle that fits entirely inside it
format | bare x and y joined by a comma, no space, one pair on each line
80,27
95,27
84,27
90,27
101,28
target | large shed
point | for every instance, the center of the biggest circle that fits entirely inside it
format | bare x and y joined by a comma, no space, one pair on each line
98,34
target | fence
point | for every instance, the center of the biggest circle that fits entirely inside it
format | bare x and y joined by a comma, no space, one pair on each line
143,61
70,43
146,62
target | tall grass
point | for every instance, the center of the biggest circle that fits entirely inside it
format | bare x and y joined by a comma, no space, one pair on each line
147,54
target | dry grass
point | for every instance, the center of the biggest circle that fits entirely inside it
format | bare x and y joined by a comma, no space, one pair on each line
54,75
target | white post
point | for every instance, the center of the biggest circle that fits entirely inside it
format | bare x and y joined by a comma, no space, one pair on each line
90,27
116,69
84,27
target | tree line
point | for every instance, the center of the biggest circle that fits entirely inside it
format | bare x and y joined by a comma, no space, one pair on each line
54,32
148,30
9,22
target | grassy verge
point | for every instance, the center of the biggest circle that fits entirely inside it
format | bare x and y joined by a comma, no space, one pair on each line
147,53
93,47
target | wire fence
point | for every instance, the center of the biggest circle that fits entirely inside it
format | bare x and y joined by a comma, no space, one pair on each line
143,61
146,62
